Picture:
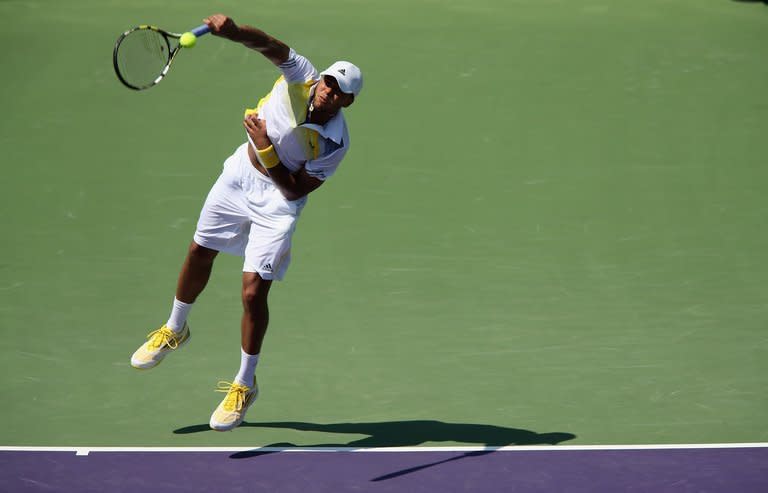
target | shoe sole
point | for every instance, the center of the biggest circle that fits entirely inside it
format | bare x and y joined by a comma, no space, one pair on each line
149,366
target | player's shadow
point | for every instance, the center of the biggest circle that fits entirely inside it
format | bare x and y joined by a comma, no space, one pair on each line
752,1
405,434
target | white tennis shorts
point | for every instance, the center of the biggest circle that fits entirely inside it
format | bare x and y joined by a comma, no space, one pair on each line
246,215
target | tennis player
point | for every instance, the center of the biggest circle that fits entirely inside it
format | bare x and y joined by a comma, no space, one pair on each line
296,138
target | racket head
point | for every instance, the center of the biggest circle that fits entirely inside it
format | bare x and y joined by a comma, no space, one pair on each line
142,56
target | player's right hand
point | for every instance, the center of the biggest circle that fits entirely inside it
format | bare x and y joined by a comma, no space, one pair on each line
221,25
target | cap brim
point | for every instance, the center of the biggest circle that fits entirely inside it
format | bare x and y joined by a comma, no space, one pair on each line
342,83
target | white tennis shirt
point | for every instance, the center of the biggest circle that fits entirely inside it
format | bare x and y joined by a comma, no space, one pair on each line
319,148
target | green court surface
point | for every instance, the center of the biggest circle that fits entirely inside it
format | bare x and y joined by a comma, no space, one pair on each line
552,219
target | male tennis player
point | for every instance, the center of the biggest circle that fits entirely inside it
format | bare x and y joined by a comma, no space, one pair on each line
297,136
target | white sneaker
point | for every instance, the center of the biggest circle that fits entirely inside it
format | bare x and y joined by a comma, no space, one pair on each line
231,411
160,342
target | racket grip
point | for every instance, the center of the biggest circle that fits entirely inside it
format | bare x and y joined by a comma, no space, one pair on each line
200,30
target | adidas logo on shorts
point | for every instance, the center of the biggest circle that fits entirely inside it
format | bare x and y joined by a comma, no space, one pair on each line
267,267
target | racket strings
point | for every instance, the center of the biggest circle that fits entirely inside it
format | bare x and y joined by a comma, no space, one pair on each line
142,57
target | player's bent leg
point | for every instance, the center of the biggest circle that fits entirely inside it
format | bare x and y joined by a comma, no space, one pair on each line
195,272
159,343
192,280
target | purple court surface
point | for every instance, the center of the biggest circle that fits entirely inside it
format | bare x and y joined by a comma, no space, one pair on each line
729,469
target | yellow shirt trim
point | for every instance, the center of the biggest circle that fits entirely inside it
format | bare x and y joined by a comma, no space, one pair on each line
298,100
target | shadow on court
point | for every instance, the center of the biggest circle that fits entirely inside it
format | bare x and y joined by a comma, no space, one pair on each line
405,434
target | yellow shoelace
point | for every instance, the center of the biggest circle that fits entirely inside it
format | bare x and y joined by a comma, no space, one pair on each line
235,398
163,336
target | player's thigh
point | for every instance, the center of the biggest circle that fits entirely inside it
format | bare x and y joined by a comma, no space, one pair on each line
224,220
270,238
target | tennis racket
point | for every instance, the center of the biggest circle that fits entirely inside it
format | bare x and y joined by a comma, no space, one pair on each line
144,54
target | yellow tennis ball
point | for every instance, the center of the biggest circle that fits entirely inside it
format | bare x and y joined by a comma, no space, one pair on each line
188,40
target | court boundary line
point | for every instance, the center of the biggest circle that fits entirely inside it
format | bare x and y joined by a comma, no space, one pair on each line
86,450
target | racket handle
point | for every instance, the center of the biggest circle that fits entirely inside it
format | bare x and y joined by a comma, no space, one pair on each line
200,30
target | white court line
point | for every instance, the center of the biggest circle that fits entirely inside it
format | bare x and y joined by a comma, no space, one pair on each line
84,450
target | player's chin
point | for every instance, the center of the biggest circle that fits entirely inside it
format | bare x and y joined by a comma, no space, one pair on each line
331,108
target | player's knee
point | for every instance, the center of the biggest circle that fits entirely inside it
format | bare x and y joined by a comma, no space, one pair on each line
199,252
255,290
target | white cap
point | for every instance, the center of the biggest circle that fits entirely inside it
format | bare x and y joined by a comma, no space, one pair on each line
348,76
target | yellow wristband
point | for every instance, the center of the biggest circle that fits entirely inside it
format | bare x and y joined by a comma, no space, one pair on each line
268,157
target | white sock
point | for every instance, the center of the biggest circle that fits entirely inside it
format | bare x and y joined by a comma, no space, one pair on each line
248,364
178,315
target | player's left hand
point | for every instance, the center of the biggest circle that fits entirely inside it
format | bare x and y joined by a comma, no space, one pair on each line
257,130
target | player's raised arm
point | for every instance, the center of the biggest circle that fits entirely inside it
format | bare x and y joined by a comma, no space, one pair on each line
273,49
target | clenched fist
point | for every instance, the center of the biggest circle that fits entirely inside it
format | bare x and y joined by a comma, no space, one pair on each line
223,26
